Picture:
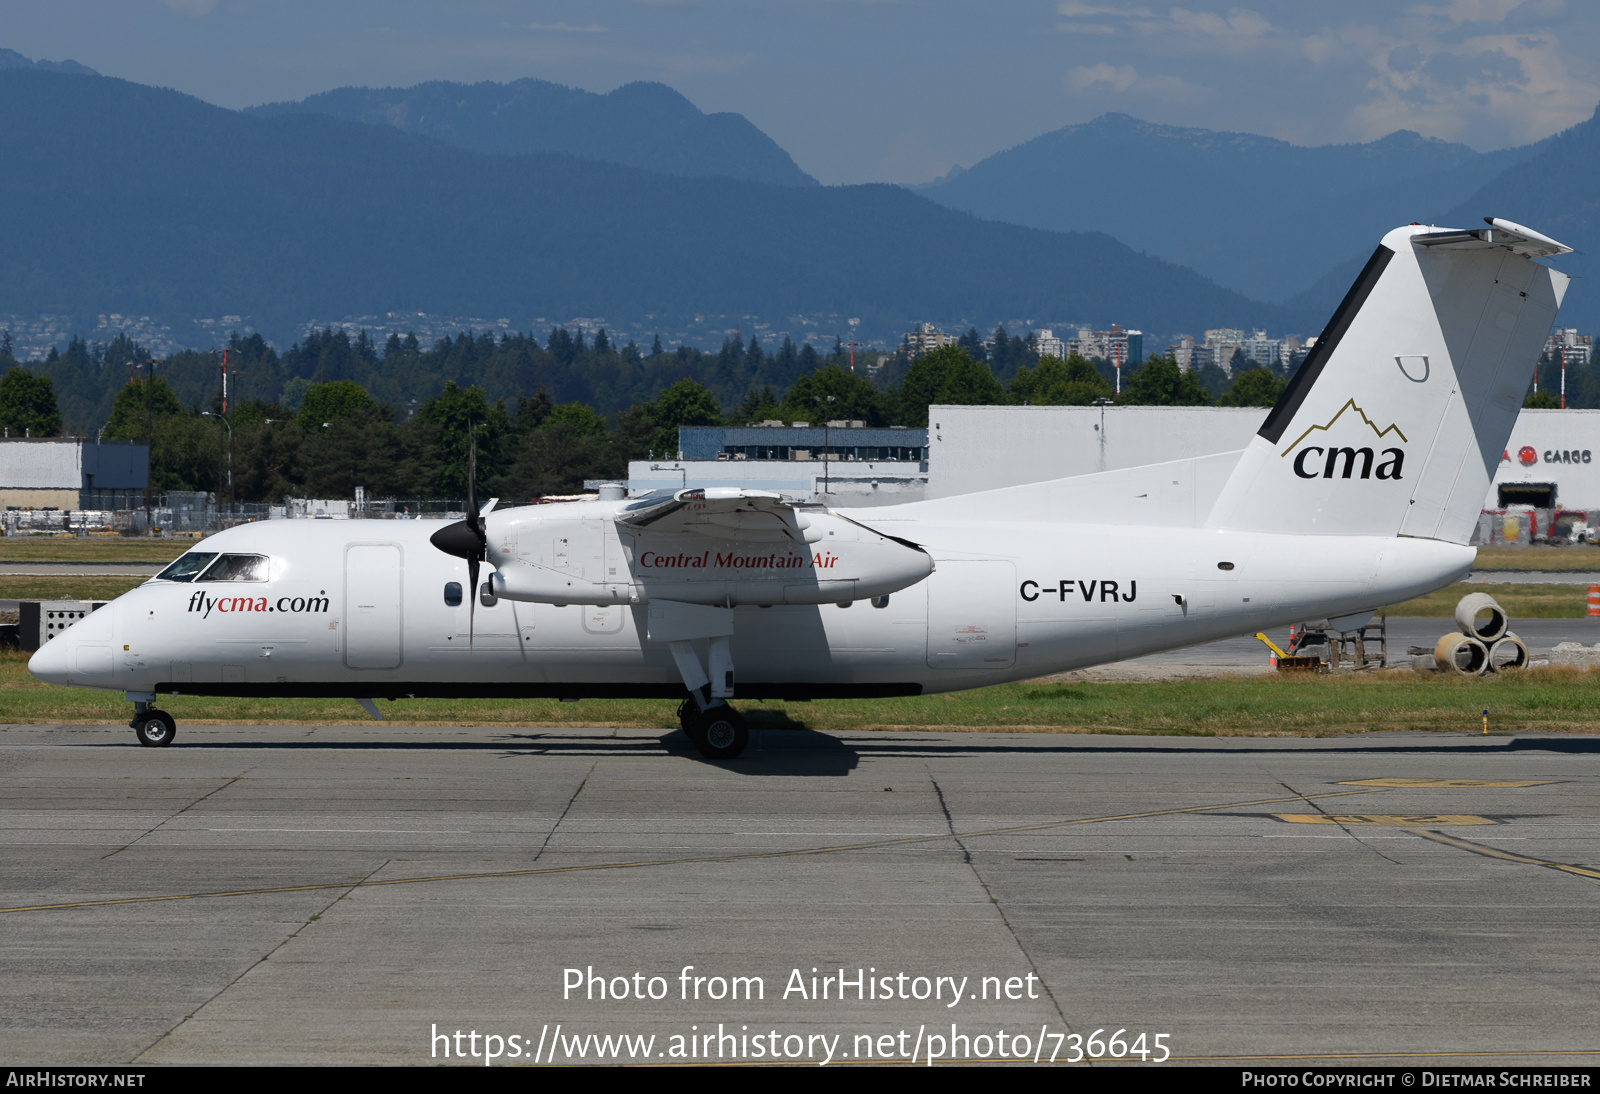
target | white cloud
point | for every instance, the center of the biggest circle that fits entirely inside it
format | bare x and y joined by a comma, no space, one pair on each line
567,28
1106,80
1078,9
1238,23
1489,72
1116,78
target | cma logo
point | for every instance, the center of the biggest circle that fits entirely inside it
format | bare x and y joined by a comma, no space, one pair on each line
1394,460
1345,462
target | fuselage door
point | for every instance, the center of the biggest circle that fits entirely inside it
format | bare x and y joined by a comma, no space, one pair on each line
972,615
372,615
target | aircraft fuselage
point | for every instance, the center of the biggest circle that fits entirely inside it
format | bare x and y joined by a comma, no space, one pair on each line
362,609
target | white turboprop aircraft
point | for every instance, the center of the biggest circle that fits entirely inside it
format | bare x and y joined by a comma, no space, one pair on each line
1361,489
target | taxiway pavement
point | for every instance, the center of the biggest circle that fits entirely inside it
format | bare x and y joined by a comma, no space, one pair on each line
393,882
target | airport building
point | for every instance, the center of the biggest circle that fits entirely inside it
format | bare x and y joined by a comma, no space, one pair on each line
1549,472
73,474
844,461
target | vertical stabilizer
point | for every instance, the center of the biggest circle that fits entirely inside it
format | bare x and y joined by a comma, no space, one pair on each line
1395,423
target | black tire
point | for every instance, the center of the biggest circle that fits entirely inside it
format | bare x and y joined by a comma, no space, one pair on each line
688,714
720,733
156,729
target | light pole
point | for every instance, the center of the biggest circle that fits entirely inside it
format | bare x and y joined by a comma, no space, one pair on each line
1102,404
223,418
826,480
149,437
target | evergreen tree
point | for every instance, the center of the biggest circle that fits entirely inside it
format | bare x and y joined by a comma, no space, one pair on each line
946,375
28,404
1254,387
1159,382
853,398
331,400
447,423
686,402
757,406
1073,382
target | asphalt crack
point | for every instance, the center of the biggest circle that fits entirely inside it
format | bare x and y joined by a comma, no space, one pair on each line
966,856
156,827
312,918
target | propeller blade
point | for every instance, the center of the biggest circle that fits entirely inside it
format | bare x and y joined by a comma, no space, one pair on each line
472,474
472,608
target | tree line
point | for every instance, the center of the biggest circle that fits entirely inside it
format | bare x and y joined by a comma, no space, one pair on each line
335,412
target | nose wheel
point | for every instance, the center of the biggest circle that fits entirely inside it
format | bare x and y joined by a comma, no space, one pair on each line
154,728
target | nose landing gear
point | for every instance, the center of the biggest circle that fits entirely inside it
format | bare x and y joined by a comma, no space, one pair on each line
154,728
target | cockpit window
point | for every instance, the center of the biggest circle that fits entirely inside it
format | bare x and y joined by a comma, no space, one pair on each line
187,566
237,568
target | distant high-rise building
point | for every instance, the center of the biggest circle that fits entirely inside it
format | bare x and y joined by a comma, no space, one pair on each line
1115,345
1565,343
1222,342
1262,350
1182,351
925,339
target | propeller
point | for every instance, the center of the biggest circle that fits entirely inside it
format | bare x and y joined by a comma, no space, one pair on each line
469,538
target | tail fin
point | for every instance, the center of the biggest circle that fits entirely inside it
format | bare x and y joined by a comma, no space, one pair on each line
1396,421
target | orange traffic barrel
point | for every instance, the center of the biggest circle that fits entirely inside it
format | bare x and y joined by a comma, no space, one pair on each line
1594,601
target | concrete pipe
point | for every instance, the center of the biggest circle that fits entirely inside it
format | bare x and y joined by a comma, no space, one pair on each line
1491,627
1509,653
1463,653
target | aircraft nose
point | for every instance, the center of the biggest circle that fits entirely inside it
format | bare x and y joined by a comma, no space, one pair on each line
55,661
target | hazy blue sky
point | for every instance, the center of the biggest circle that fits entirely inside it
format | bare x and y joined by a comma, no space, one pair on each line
892,90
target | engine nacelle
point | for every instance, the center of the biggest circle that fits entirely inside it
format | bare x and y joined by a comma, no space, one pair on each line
578,553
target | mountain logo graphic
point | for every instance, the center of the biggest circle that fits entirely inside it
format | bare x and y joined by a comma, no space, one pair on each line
1389,467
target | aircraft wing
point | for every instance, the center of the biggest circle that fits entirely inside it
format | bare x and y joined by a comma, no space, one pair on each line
726,513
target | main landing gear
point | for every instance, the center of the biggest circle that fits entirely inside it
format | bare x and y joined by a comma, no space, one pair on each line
716,728
718,731
154,728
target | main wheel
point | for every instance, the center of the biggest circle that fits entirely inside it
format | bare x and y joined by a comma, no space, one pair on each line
720,733
688,714
156,729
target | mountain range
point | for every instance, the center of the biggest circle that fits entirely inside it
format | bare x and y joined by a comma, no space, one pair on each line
1259,215
118,197
539,203
646,125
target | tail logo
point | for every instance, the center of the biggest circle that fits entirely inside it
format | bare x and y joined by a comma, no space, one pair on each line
1342,462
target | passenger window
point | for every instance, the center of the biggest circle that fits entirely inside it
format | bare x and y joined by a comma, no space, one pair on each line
187,566
452,593
237,568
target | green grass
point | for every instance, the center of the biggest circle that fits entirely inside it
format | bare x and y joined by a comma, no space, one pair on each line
107,549
1519,601
1554,699
1580,557
26,587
